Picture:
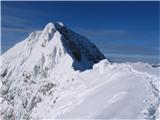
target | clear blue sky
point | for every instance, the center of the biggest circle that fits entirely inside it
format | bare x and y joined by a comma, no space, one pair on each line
123,31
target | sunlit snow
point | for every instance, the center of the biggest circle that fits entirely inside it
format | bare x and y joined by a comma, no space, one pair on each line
58,74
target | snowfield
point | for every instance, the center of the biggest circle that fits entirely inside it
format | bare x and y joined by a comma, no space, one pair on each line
58,74
115,91
108,91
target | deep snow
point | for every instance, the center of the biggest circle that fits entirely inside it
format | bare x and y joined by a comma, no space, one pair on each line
56,74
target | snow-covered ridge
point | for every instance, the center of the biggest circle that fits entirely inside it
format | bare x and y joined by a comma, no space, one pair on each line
40,61
56,73
54,41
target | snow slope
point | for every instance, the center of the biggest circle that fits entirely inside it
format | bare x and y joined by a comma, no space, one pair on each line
116,91
108,91
56,73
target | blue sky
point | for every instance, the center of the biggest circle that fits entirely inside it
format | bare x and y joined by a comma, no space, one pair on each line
123,31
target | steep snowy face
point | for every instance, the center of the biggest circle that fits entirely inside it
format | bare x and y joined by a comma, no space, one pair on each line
41,65
50,45
39,81
82,51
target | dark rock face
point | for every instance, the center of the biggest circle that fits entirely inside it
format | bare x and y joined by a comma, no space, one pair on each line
85,53
4,73
30,74
71,44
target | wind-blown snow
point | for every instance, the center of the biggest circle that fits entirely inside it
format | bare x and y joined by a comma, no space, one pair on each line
56,74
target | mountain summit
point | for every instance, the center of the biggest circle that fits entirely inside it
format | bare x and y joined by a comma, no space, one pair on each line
83,53
42,63
55,42
45,77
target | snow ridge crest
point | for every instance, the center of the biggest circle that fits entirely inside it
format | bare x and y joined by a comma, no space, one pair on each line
56,37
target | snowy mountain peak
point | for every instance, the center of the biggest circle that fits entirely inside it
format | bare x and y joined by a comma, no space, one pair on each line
48,47
39,72
82,52
51,27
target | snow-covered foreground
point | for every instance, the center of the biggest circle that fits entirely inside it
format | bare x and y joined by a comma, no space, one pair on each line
58,74
108,91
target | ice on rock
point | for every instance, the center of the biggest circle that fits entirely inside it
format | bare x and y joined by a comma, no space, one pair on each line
60,23
49,27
